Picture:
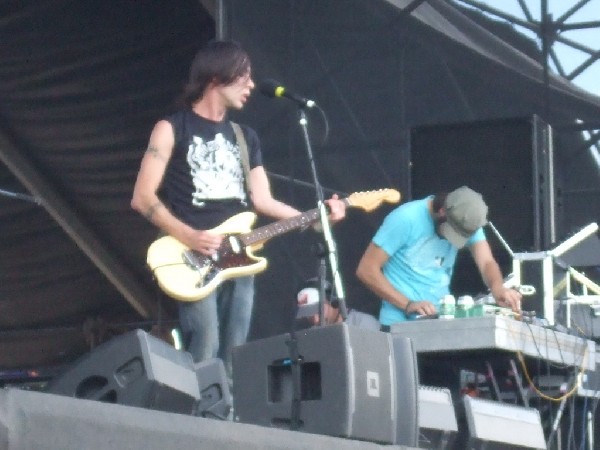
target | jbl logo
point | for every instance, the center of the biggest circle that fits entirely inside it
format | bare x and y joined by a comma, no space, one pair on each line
372,384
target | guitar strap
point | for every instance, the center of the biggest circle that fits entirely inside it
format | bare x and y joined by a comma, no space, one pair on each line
241,140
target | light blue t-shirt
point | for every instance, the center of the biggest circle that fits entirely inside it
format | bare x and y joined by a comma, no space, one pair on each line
421,263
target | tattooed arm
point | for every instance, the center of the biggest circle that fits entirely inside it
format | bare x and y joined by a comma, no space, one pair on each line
145,198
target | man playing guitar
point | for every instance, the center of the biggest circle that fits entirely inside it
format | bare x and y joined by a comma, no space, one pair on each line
194,161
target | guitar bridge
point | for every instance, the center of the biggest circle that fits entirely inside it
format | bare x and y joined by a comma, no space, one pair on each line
191,259
202,265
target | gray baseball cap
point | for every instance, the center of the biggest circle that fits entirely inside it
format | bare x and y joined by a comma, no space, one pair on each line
465,213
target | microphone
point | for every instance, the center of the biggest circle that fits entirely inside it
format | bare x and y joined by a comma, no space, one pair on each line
272,88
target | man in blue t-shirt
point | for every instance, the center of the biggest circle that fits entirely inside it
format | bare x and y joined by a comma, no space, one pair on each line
410,260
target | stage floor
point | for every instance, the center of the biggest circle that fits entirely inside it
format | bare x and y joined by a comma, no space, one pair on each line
34,420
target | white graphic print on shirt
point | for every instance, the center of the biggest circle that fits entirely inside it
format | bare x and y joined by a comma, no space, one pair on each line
216,170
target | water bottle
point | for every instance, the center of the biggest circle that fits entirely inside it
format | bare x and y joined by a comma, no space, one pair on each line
464,306
447,307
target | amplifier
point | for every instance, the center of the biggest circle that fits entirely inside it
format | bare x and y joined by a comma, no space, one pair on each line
589,381
582,317
437,420
499,426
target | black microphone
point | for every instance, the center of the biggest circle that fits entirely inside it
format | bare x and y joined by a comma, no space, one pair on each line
272,88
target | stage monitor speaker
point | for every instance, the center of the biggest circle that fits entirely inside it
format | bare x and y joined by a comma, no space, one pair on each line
500,426
215,398
349,382
437,419
522,201
136,369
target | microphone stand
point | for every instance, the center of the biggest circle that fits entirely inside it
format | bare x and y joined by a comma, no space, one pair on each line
325,227
319,251
295,361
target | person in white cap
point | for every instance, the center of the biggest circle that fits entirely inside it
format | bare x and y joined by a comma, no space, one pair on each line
308,306
409,262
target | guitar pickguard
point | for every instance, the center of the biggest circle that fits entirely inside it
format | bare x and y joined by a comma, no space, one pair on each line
187,275
231,255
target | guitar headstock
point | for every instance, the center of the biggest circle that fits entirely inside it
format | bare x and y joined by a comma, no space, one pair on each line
369,200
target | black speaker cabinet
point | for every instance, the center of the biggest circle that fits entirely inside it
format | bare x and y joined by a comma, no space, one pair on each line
337,380
215,398
510,162
134,369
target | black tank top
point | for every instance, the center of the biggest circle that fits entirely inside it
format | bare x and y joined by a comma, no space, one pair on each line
204,182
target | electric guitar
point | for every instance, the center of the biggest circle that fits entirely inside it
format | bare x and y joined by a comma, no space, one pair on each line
189,276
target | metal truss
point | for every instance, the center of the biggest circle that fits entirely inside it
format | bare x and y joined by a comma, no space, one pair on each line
549,31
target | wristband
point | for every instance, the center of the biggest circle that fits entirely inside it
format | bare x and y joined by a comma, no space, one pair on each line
407,305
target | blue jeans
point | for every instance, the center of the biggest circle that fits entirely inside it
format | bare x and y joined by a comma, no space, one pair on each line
213,326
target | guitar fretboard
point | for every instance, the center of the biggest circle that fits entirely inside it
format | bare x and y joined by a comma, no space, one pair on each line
282,226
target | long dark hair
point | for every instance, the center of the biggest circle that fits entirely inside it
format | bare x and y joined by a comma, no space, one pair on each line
219,61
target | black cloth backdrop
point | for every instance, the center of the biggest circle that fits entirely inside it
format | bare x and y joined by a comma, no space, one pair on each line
81,85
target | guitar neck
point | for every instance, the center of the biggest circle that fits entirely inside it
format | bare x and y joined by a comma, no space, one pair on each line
264,233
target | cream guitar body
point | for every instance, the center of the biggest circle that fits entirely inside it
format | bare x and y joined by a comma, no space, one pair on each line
189,276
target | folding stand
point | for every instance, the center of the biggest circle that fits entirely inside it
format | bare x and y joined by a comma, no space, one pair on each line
542,265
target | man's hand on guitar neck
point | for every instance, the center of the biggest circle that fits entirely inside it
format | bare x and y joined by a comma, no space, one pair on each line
337,208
